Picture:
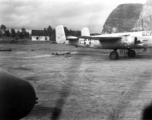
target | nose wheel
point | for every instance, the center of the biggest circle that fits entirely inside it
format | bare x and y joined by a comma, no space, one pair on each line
131,53
114,55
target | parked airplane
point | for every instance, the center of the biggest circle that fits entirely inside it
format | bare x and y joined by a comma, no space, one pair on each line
128,40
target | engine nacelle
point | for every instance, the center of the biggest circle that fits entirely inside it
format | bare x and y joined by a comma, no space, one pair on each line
17,97
132,42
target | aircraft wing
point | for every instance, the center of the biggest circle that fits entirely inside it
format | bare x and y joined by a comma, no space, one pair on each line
101,38
72,38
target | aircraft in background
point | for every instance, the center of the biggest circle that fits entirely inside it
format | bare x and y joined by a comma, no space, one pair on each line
115,41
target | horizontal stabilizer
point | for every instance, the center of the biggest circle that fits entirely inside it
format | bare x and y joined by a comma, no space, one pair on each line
72,38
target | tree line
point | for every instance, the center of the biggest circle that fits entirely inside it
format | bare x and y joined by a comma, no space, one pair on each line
11,34
22,34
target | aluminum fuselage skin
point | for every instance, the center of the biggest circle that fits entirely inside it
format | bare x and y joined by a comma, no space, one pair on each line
122,43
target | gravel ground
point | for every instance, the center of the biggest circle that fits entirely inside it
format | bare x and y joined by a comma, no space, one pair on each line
92,87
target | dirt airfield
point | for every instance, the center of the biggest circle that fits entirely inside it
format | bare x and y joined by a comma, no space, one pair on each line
97,88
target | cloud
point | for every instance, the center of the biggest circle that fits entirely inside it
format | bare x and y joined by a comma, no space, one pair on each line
38,14
15,13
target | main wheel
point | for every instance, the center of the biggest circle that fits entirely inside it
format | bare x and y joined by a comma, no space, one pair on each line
131,53
114,55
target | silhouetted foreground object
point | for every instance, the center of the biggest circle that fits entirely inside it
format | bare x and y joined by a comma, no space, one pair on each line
17,97
147,113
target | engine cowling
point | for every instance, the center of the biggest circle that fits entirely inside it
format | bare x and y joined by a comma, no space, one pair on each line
17,97
131,41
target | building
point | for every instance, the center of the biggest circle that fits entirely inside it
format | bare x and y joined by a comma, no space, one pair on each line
39,35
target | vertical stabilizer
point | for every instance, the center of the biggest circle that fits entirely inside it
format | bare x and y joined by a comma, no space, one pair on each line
85,32
60,34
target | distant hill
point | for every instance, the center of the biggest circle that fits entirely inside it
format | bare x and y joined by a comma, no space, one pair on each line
145,20
123,18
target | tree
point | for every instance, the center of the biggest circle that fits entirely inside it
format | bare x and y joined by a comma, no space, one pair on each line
7,33
0,33
23,33
17,35
27,35
52,35
77,33
23,30
45,32
49,31
49,28
13,33
74,33
3,28
20,34
67,32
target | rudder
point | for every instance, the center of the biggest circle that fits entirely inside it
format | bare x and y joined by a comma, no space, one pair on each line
60,34
85,32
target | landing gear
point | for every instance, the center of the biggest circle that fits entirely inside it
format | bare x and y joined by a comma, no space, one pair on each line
114,55
131,53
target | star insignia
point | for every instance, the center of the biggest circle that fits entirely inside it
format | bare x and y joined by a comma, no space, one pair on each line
87,42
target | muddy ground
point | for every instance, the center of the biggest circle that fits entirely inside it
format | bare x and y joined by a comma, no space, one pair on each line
96,88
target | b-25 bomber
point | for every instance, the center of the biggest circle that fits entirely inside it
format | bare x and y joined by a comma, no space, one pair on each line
125,41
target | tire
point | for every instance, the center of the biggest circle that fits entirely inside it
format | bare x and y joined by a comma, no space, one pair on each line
114,55
131,53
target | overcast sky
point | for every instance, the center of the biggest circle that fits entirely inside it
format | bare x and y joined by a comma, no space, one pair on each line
74,14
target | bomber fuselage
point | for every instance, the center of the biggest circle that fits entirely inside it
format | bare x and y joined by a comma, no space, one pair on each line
144,40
